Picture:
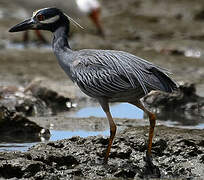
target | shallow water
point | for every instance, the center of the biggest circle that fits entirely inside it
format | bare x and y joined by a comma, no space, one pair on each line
128,111
15,146
55,135
30,45
122,110
58,135
132,115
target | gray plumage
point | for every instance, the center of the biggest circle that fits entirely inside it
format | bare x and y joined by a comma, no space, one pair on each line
115,75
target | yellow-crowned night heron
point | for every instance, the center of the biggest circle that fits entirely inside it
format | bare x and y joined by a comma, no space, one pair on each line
107,75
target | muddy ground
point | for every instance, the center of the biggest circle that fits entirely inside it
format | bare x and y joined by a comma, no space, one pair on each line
168,33
177,153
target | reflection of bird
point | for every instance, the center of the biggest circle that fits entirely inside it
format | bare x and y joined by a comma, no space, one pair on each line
107,75
92,8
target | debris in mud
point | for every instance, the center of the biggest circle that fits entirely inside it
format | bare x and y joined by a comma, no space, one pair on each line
177,153
14,126
174,52
199,16
195,53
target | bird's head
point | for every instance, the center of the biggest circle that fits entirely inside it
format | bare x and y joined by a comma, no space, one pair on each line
44,19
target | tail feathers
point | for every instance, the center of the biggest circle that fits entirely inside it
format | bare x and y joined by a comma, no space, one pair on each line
168,84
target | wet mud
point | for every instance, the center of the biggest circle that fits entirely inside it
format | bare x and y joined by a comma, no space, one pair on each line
177,153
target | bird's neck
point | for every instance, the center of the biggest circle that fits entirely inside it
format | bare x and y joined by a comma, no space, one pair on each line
60,41
62,49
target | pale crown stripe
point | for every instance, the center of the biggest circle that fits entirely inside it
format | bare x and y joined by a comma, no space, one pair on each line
50,20
35,12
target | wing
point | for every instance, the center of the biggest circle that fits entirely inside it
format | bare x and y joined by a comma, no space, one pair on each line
96,80
106,72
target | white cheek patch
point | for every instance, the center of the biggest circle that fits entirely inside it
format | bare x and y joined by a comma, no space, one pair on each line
50,20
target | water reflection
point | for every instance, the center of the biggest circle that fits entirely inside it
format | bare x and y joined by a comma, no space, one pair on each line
55,135
122,110
125,110
58,135
193,53
182,119
16,146
21,46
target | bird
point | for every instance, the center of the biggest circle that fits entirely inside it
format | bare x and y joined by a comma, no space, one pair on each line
92,8
106,75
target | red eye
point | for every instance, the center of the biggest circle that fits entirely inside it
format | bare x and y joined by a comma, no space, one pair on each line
40,17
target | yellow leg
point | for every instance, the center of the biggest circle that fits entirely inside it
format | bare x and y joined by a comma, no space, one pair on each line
105,106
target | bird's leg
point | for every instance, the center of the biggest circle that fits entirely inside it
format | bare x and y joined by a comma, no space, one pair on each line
40,36
25,37
152,121
94,15
105,106
149,170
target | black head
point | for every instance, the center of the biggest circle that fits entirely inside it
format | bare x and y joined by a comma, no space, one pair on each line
44,19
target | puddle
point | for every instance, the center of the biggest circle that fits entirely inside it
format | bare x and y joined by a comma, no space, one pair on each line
15,146
128,111
65,126
21,46
55,135
122,110
58,135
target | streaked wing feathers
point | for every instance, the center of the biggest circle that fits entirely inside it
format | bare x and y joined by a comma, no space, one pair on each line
106,72
99,81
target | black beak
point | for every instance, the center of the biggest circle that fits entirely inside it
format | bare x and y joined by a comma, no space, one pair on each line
25,25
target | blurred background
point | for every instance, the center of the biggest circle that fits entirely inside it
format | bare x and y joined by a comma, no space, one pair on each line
168,33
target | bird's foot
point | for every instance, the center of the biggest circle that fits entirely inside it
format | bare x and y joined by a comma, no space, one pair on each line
42,42
148,159
150,170
101,33
101,161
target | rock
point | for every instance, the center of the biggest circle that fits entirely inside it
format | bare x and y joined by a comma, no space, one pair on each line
33,100
15,99
177,153
15,127
183,104
51,98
